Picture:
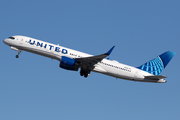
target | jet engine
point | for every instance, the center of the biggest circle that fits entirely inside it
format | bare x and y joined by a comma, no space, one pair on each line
68,63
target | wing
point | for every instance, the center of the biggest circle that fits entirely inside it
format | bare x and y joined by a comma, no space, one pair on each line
91,61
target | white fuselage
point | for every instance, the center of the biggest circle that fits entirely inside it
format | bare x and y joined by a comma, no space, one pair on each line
108,67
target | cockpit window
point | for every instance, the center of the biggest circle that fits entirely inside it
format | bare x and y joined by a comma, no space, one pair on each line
12,38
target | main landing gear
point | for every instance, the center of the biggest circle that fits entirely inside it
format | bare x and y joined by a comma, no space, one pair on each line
17,56
85,72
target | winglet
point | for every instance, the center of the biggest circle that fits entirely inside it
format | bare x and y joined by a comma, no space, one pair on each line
109,52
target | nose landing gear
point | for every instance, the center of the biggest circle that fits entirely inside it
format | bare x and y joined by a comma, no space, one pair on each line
17,56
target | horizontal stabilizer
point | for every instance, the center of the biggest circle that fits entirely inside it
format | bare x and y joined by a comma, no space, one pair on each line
158,77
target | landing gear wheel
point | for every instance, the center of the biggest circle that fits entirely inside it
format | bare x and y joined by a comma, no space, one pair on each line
81,74
85,75
17,56
85,72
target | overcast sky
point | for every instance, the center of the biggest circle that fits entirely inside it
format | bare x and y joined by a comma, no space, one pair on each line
33,87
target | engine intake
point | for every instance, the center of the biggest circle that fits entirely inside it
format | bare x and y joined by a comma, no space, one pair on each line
68,63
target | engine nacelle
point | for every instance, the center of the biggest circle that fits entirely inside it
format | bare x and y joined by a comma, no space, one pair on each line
68,63
13,48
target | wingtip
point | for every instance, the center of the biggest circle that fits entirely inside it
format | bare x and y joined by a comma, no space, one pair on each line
109,52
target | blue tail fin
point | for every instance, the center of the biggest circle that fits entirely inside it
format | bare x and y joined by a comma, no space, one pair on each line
158,64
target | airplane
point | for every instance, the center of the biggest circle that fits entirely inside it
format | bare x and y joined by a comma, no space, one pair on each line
74,60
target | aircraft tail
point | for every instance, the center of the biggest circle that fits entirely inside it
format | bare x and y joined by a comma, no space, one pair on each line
158,64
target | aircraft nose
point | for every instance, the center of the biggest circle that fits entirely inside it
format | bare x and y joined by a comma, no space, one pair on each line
5,41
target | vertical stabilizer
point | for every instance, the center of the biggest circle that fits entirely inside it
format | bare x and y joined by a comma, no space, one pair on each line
158,64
